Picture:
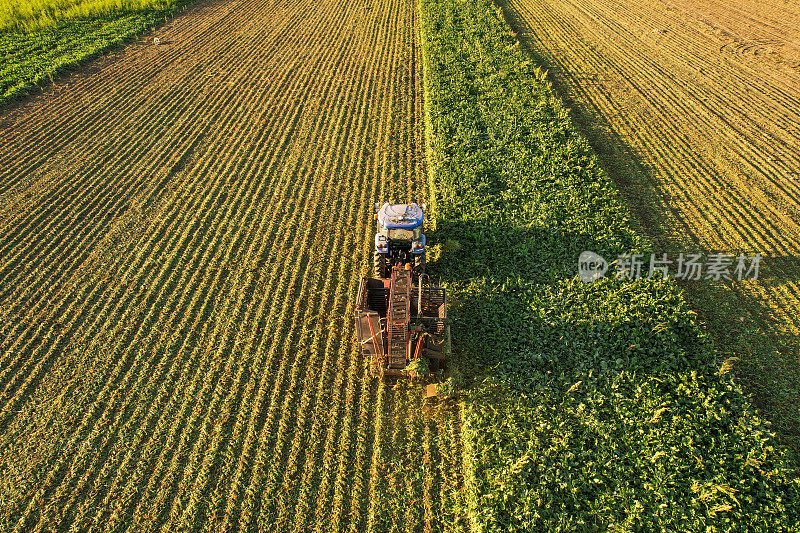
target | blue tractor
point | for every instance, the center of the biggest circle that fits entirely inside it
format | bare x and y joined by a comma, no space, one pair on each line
399,240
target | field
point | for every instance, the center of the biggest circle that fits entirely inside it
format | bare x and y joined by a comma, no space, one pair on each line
589,406
39,40
586,406
35,14
183,229
693,108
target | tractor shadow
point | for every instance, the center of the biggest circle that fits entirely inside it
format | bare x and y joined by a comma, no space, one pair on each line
463,251
499,278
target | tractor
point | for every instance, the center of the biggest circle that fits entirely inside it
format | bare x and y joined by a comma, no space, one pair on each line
401,317
399,239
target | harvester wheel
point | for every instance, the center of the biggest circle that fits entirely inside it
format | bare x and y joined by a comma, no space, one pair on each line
379,265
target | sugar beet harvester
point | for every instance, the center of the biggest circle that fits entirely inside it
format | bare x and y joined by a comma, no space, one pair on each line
401,318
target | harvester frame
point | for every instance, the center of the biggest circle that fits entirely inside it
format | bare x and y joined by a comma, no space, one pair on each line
398,322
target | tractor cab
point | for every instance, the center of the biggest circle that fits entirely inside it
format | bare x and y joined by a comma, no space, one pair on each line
399,239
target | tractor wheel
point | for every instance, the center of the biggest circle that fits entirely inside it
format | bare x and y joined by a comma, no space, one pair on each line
419,264
379,265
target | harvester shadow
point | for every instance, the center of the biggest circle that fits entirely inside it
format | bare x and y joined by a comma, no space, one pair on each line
491,271
495,320
521,331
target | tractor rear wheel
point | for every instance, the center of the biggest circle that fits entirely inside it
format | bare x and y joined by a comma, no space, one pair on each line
379,265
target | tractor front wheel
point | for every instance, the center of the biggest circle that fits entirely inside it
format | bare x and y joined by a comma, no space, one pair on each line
379,266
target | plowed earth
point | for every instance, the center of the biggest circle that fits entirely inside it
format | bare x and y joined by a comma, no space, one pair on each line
182,230
694,109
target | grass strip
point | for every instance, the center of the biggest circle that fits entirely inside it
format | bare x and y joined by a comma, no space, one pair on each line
587,406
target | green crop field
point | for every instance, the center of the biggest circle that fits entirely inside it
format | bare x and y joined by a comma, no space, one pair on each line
695,116
37,14
183,228
38,39
588,406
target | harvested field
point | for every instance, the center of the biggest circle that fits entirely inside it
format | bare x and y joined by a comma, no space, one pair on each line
182,230
694,109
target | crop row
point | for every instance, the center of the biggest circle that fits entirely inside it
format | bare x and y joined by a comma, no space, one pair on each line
587,405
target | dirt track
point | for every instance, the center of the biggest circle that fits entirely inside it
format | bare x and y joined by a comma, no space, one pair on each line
694,108
182,229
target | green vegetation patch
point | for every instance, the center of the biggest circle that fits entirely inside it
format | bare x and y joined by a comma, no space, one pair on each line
588,407
34,14
36,48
